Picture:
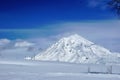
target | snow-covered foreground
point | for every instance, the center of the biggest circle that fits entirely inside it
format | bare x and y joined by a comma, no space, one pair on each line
33,70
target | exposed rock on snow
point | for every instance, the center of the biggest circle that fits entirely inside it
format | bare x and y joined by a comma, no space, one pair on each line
76,49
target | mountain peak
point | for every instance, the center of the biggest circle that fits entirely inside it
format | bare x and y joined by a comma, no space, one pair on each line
75,38
75,49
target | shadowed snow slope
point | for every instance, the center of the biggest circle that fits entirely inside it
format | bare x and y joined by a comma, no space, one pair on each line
76,49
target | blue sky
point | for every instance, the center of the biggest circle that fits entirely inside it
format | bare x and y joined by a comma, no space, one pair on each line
37,13
46,21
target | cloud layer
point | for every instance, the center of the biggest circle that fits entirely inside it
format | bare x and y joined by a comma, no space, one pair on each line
104,33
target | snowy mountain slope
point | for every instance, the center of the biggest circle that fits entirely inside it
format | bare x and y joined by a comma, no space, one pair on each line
76,49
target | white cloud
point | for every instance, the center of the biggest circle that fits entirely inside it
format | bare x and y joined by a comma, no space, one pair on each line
105,33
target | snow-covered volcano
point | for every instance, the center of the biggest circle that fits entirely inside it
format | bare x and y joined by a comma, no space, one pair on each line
76,49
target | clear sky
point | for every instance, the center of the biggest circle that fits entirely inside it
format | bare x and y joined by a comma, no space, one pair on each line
46,21
35,13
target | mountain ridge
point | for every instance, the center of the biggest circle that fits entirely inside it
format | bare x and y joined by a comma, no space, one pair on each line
76,49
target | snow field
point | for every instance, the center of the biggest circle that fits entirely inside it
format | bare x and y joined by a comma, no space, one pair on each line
32,70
